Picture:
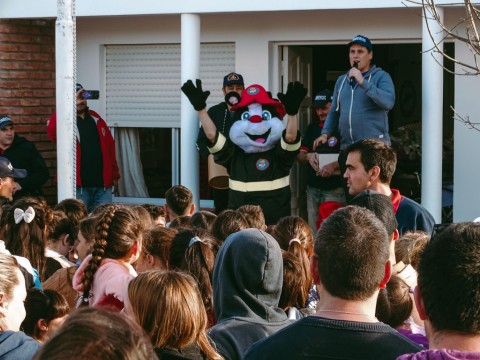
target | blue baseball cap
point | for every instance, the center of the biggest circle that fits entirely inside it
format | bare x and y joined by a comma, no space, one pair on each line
7,170
5,120
361,40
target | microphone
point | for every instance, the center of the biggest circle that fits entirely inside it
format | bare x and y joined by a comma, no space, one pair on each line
352,78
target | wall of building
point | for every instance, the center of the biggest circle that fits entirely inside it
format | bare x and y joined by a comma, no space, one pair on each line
27,83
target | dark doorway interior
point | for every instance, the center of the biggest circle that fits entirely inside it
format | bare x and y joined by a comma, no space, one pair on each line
404,63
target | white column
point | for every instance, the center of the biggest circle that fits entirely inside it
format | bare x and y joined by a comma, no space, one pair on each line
432,116
65,98
190,50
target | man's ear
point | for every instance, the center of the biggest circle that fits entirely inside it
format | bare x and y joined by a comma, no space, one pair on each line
192,209
375,173
396,235
417,296
387,276
314,270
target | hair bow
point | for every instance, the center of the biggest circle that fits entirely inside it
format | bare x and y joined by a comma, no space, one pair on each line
27,215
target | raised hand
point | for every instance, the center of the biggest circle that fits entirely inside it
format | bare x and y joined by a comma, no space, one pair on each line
196,96
293,98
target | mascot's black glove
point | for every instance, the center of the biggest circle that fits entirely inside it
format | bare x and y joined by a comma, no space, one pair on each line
196,95
293,98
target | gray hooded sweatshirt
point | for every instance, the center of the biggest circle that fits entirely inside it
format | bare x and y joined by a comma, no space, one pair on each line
361,112
247,283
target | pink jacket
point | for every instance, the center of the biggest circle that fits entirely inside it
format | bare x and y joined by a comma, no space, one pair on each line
110,283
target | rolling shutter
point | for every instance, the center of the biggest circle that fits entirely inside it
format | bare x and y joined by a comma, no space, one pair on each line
143,82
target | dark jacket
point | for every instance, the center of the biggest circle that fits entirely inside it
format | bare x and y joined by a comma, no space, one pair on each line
222,118
247,283
24,155
15,345
110,167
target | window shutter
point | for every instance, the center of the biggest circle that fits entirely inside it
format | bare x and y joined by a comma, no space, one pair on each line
143,82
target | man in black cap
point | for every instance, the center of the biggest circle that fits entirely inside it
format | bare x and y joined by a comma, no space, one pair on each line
22,154
8,177
323,180
97,169
221,115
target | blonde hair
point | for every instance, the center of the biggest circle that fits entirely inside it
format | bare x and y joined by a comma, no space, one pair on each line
168,305
9,279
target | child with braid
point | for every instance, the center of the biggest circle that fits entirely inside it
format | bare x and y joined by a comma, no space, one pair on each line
103,277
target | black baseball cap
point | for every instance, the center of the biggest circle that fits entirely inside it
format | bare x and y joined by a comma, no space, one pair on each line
5,120
379,204
7,170
322,99
233,79
78,87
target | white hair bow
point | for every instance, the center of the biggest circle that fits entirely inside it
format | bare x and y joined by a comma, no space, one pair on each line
27,215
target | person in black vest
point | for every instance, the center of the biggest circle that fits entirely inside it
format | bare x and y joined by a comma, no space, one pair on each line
324,182
221,115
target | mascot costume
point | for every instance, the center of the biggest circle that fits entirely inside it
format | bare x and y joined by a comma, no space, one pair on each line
261,150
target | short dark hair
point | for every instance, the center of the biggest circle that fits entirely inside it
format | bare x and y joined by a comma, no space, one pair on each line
449,279
155,211
352,247
179,198
375,152
228,222
254,215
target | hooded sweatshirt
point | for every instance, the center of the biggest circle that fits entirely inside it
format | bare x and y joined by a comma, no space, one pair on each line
361,112
247,283
441,354
15,345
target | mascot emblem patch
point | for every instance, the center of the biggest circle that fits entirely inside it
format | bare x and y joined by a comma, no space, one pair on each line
262,164
252,90
332,141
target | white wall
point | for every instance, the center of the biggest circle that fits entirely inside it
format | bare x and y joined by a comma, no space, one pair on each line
466,194
256,34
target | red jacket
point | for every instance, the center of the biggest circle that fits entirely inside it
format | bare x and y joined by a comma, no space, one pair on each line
110,167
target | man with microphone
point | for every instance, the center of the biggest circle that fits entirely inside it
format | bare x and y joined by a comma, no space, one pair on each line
362,99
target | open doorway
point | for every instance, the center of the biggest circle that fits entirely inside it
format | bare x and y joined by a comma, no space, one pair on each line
404,63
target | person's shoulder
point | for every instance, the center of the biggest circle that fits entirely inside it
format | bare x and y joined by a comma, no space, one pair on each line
409,204
17,345
281,340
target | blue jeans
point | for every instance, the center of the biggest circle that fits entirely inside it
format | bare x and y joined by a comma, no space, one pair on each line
94,196
315,197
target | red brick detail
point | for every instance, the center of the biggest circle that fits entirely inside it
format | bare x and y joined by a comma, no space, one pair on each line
27,84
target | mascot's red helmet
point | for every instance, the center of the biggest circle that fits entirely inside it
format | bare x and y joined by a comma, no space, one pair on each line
257,94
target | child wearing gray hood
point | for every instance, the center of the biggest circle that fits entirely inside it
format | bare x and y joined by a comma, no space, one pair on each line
247,284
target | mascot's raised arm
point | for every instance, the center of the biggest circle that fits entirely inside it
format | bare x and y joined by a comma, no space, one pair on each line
261,150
